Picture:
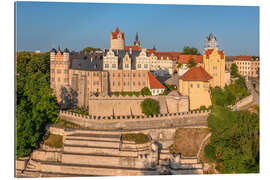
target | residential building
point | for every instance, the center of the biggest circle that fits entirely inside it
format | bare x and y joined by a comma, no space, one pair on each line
155,86
195,84
248,65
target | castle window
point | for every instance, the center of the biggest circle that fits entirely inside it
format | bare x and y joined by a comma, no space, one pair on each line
52,70
58,71
104,75
118,83
60,62
65,80
128,83
113,65
124,75
191,85
106,65
134,74
198,85
146,66
52,79
126,65
134,83
59,79
65,71
113,75
118,74
139,74
97,82
139,66
139,83
124,83
128,75
113,83
143,74
144,83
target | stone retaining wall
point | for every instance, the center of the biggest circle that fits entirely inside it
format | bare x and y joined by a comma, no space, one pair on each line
137,122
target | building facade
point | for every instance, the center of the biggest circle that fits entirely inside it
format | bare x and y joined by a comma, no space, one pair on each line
248,65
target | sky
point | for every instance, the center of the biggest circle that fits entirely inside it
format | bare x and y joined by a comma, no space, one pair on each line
44,25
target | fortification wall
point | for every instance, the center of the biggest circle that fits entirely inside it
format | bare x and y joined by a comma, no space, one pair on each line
142,122
130,105
243,102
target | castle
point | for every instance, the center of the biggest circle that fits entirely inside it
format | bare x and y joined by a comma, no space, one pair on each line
129,69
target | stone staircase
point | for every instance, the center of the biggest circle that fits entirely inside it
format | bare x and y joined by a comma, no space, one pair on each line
99,153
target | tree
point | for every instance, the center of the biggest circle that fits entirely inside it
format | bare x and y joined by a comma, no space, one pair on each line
89,49
234,142
150,107
234,70
191,63
191,50
36,106
145,91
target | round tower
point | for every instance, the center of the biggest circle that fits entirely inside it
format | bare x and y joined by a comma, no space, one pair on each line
52,68
117,39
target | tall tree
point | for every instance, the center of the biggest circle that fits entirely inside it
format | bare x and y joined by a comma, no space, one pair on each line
234,142
36,106
234,70
191,50
191,63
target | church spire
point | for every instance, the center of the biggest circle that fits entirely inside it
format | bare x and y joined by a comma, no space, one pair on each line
137,42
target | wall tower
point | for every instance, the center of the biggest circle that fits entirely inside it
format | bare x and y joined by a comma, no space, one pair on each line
117,39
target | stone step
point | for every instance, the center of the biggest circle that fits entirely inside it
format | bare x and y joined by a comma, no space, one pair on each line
99,160
89,170
98,150
188,161
101,137
87,142
187,171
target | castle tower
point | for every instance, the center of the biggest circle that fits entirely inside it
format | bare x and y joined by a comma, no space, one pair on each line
59,70
214,62
117,39
210,42
137,42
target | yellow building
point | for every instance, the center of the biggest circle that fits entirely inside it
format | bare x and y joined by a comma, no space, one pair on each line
214,64
195,84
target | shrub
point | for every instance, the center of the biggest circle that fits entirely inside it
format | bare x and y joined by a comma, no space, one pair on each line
54,141
145,91
150,106
138,138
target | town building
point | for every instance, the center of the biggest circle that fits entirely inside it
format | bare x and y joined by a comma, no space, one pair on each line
210,72
195,84
248,66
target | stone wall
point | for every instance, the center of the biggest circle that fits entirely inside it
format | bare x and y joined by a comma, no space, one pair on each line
169,120
242,102
126,105
43,155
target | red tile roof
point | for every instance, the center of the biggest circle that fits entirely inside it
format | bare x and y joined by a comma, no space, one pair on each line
114,34
196,74
243,58
170,55
209,51
132,47
187,57
154,83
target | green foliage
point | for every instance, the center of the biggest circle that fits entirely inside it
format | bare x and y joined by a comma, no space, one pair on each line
165,92
54,140
203,108
89,49
150,107
230,94
191,63
145,91
179,65
138,138
36,106
234,70
171,87
191,50
234,141
80,111
123,93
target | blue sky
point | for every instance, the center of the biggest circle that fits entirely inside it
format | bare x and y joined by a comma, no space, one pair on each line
41,26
